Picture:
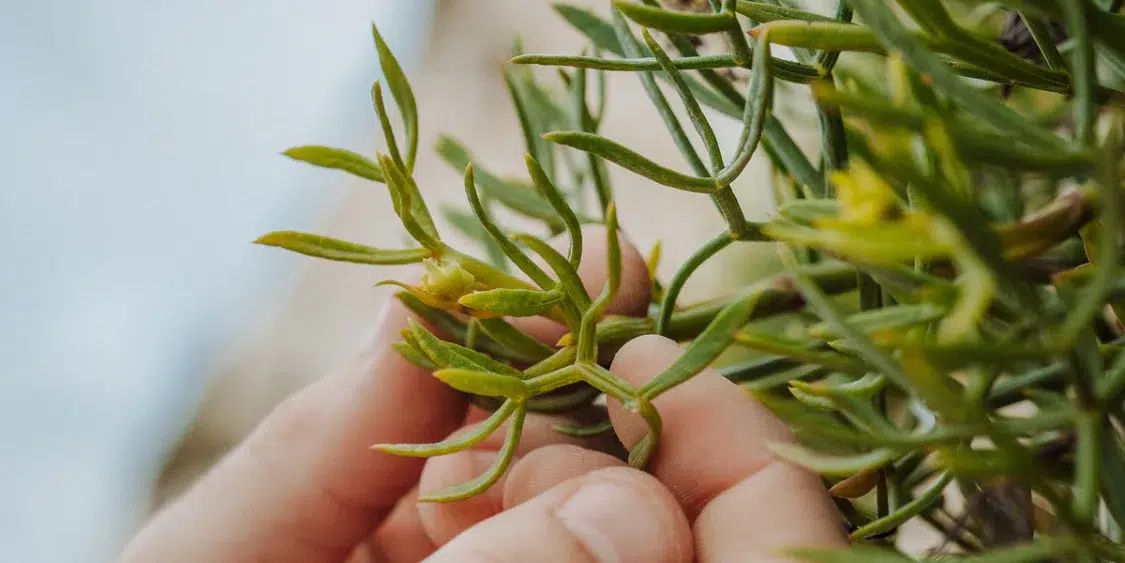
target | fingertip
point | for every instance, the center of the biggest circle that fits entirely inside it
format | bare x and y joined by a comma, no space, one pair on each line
642,358
633,296
620,513
611,514
444,521
545,468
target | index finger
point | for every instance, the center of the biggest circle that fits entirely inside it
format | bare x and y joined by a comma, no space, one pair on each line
713,456
305,486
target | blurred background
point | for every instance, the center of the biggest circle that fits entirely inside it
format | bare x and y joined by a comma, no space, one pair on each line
143,334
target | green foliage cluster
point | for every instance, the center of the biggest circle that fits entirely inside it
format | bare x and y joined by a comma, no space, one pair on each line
952,254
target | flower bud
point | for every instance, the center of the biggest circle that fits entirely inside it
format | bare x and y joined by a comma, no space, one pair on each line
446,280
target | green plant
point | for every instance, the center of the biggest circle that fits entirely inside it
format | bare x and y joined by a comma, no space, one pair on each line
965,201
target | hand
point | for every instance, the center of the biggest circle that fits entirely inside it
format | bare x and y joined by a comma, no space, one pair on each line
305,487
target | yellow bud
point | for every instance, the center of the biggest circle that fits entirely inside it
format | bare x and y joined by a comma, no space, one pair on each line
446,280
864,196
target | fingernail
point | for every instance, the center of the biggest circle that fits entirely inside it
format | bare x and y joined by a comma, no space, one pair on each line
616,523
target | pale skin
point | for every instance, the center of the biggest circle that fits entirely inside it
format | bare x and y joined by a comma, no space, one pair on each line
305,487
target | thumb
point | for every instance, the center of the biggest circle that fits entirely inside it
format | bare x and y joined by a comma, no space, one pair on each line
613,514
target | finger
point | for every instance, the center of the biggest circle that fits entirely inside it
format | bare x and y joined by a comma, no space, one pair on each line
305,486
614,514
535,473
632,297
545,468
443,521
399,538
713,456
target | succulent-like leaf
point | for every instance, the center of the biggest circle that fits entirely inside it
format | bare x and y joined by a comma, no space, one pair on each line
404,96
337,159
339,250
512,302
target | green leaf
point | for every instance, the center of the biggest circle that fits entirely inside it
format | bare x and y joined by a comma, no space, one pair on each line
599,31
759,100
512,302
633,48
587,329
905,512
695,113
829,465
803,352
865,387
513,252
339,250
858,554
486,480
517,342
675,22
402,173
558,202
630,160
1040,549
895,36
484,383
808,211
449,355
403,95
521,199
1113,474
457,442
577,397
413,355
888,318
764,12
468,225
532,143
973,143
337,159
569,280
716,338
408,204
385,123
693,262
818,301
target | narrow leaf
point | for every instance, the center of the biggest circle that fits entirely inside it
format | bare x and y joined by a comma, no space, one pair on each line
337,159
457,442
829,465
519,343
764,12
339,250
630,160
675,22
512,302
594,28
569,279
484,383
716,338
403,95
486,480
558,202
519,198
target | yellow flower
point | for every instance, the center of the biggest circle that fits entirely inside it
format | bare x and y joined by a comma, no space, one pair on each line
865,198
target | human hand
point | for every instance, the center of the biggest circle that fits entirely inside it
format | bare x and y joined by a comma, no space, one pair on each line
306,487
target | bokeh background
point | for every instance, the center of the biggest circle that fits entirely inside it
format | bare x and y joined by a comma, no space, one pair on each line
142,334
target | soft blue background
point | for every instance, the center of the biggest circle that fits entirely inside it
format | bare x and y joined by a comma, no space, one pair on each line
139,145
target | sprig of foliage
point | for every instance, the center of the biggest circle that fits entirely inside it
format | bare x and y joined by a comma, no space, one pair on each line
951,252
